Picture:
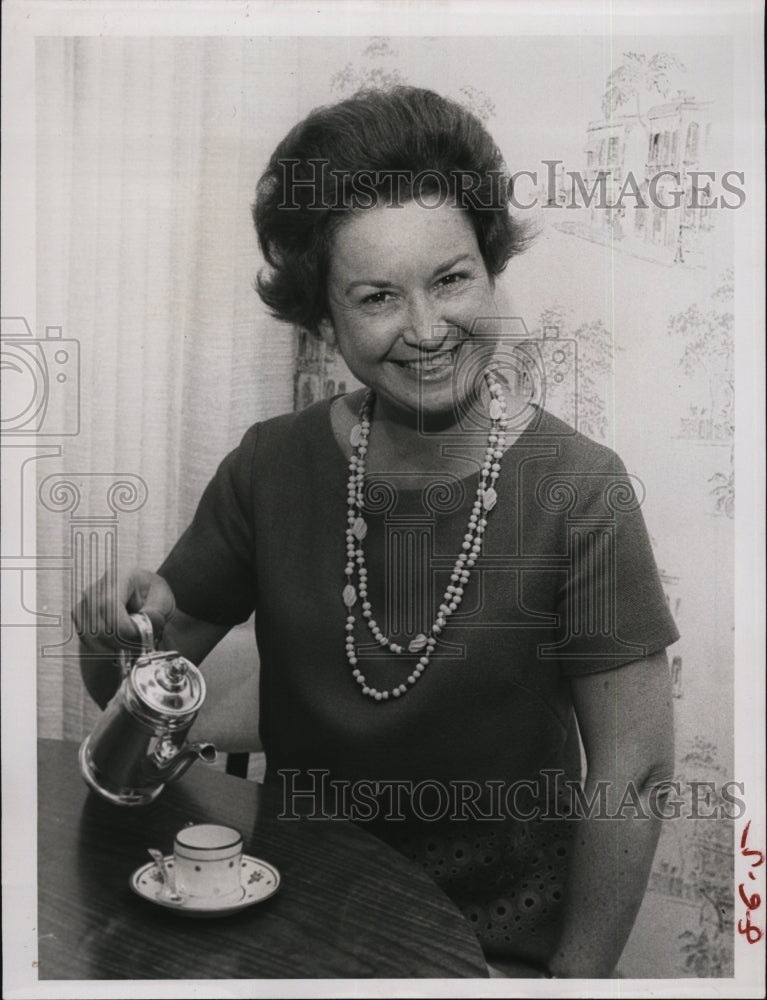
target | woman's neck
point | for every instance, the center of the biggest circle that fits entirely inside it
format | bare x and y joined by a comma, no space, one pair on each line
400,443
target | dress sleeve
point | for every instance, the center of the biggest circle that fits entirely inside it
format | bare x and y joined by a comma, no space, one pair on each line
210,568
612,607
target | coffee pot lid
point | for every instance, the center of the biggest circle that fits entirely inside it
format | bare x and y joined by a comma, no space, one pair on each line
167,683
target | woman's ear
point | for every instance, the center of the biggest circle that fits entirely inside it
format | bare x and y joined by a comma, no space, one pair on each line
328,331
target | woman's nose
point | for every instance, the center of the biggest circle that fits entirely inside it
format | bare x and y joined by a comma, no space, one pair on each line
422,325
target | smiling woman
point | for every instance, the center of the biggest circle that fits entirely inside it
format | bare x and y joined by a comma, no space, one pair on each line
449,583
402,321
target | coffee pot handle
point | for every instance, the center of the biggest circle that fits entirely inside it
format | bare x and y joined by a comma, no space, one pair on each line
146,634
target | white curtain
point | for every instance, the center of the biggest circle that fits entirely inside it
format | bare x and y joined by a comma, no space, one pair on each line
148,151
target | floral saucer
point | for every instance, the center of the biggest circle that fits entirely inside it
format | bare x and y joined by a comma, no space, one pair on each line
259,881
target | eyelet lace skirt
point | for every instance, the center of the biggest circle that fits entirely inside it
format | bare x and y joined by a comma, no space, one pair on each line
508,878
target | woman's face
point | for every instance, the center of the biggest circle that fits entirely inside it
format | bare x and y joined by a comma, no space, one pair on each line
406,288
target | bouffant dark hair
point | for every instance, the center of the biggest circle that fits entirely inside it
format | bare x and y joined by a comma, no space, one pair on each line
379,147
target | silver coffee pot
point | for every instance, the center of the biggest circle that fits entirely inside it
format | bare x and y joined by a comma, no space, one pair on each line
139,742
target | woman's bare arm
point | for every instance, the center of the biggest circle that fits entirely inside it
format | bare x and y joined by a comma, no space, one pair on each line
626,721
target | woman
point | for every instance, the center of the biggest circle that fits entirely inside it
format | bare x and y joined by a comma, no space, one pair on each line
445,577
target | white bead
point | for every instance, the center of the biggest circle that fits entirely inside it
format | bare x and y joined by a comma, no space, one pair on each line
356,435
360,528
490,499
495,410
417,644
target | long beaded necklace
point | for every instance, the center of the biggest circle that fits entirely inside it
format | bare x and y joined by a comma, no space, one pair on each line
471,546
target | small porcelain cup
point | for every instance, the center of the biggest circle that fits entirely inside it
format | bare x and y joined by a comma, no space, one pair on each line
207,860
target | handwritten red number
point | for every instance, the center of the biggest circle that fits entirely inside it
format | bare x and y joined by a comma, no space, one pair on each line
753,934
747,851
753,902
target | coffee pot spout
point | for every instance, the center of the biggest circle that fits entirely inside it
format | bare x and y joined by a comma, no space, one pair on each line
179,763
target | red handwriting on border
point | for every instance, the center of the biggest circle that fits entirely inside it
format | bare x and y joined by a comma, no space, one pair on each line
752,903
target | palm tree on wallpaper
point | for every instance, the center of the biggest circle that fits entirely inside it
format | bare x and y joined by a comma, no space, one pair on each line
705,335
636,79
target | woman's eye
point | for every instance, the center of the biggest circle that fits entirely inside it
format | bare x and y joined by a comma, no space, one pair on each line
452,279
376,298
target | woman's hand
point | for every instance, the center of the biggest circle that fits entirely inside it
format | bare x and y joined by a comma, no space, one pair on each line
102,616
102,620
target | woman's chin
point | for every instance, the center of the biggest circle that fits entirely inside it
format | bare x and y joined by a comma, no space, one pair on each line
429,403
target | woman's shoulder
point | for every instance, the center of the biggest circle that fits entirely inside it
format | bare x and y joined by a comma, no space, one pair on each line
291,422
576,451
316,421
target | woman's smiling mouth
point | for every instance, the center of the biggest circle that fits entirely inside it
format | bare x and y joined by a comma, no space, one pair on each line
432,364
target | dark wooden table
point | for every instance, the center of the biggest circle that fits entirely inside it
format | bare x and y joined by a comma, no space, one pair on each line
348,905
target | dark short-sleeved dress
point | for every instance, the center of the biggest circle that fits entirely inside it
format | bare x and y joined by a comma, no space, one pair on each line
467,772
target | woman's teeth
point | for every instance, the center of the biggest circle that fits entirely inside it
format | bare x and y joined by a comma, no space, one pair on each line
431,362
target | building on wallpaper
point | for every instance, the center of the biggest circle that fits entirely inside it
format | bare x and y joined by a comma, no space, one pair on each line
320,371
648,164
